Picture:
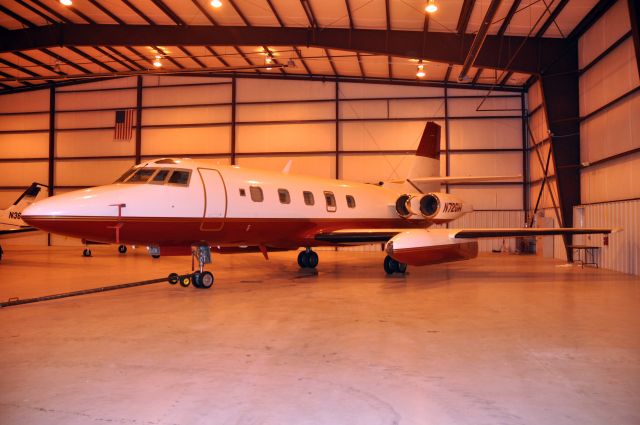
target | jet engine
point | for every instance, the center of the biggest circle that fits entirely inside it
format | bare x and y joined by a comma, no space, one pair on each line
420,247
435,206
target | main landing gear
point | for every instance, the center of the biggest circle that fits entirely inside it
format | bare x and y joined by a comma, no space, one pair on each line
308,259
392,266
200,278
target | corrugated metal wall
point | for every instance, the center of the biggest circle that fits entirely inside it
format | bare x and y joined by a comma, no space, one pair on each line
623,250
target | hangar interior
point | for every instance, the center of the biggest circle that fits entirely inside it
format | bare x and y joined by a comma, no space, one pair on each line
332,87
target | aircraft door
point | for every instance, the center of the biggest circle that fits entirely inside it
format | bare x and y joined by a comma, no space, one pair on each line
215,199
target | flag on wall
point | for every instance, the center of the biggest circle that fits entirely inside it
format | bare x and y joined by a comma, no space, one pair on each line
123,129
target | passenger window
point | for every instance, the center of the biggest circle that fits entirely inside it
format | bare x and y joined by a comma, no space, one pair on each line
283,194
180,178
142,175
256,193
331,201
308,198
242,192
160,177
351,202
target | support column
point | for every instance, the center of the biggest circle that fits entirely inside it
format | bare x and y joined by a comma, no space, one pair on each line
525,159
560,91
337,130
139,119
233,120
52,146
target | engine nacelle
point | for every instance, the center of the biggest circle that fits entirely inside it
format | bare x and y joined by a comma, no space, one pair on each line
421,247
435,206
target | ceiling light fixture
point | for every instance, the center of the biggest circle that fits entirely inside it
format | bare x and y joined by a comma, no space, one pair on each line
66,2
421,72
157,63
431,6
216,3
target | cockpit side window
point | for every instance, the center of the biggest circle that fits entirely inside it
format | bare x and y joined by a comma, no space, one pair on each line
180,177
142,175
126,175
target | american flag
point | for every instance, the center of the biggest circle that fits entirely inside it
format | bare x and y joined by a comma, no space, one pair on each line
123,129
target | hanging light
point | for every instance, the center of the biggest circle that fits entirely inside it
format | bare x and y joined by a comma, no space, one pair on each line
420,72
66,2
268,60
216,3
157,62
431,6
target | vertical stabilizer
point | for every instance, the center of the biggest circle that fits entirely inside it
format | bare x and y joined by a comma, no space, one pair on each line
426,162
12,215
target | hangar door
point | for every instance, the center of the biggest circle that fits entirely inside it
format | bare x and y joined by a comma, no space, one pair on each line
215,199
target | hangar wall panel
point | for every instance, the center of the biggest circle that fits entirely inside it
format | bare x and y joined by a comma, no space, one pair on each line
186,115
617,179
298,137
93,172
24,145
612,131
183,141
623,251
94,99
610,138
486,134
606,31
313,165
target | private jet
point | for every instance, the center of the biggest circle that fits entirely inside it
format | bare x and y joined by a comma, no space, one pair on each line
187,207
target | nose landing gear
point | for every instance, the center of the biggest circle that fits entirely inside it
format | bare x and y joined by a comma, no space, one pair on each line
392,266
308,259
200,278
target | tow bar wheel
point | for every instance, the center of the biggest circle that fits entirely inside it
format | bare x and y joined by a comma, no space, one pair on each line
173,278
185,280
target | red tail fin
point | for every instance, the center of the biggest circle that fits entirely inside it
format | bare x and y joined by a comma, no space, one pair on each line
430,143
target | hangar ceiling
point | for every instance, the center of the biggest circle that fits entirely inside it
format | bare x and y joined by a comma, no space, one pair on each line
44,41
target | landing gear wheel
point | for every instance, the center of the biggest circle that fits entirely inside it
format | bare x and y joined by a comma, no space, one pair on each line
196,277
206,280
156,256
122,249
312,259
185,280
402,268
392,266
173,278
389,265
86,252
301,258
308,259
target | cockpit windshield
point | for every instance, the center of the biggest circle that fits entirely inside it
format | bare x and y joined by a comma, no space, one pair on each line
159,176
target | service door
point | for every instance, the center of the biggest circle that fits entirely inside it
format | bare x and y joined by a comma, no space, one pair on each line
215,199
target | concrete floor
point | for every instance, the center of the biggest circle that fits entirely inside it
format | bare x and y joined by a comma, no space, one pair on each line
501,339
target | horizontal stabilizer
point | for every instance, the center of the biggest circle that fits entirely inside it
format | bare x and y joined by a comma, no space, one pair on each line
511,232
16,231
465,179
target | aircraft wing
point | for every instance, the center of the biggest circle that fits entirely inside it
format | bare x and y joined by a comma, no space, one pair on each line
511,232
360,236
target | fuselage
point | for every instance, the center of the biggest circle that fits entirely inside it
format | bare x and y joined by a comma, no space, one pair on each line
177,203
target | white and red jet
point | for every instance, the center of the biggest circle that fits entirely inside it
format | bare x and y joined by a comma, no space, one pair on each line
183,206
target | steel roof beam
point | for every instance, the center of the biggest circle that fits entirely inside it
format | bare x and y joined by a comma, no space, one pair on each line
495,53
478,40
